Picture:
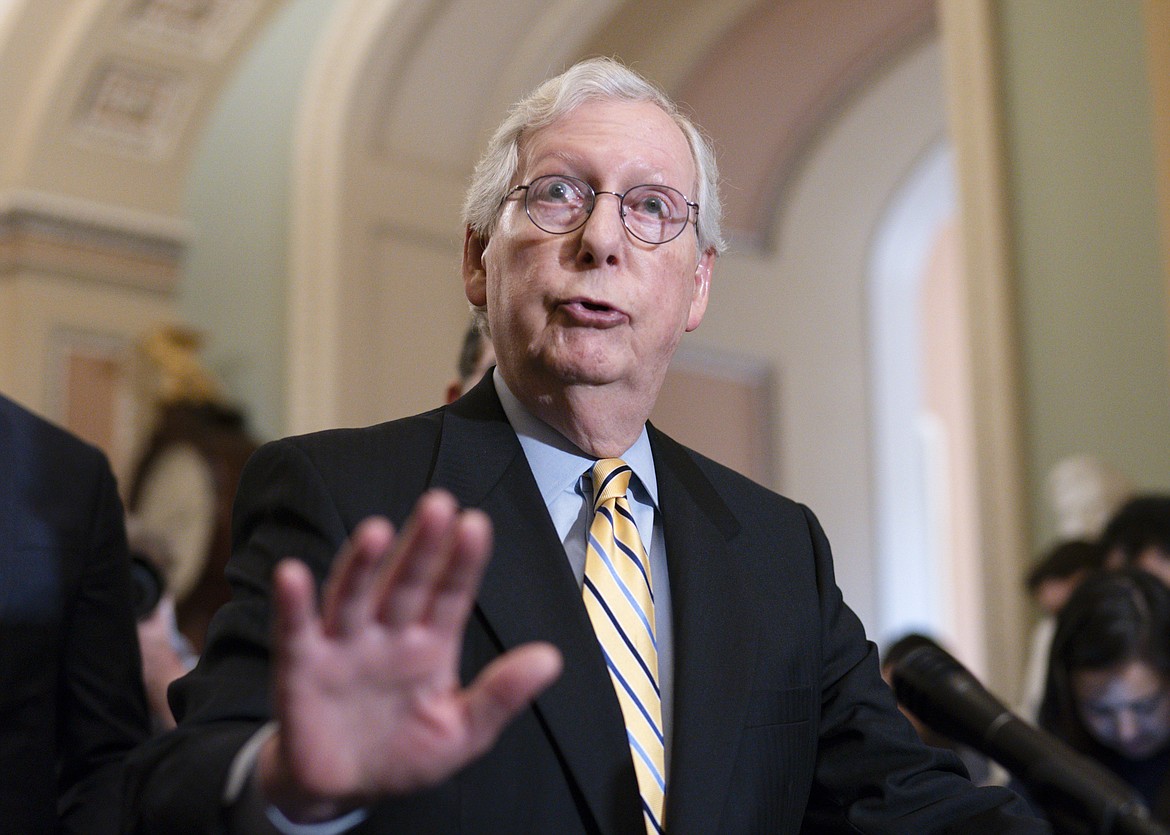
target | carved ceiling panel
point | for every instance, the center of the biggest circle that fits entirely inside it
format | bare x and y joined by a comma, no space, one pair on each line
140,96
204,27
134,108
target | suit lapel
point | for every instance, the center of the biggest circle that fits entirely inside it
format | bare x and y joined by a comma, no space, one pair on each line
714,643
529,594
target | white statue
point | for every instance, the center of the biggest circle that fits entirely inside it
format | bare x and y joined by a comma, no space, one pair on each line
1085,492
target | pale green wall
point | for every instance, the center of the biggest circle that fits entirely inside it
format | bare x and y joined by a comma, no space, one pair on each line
235,275
1084,214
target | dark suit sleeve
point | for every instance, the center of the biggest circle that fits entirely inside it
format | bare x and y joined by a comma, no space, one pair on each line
283,508
872,773
101,708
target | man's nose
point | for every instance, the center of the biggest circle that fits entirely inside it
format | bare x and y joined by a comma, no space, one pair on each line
604,232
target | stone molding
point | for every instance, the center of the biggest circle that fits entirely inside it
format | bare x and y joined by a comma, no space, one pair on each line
45,234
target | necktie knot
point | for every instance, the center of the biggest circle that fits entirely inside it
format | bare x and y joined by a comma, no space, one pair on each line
611,480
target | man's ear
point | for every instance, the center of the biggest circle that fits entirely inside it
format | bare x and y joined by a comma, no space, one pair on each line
474,272
701,290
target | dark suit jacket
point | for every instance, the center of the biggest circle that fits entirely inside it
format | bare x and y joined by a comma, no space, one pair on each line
71,700
779,708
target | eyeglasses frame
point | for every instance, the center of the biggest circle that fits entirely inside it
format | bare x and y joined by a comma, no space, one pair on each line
621,196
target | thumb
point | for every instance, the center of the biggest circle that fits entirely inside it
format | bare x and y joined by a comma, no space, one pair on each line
505,687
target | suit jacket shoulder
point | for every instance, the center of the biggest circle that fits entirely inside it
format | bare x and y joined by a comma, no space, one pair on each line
42,459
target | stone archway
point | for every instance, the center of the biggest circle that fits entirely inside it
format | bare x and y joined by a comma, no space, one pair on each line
103,101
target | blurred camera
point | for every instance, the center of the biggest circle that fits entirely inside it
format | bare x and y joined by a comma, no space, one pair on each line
147,585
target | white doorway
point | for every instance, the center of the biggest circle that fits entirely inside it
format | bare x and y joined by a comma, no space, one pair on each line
927,562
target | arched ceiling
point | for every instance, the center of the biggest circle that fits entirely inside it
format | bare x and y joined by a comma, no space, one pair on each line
104,99
767,88
761,77
108,97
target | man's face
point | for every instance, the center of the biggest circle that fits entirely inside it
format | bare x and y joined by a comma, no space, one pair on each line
594,307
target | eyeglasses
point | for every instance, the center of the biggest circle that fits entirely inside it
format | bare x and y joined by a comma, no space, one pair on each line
559,204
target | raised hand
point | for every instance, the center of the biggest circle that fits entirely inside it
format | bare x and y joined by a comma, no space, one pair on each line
367,692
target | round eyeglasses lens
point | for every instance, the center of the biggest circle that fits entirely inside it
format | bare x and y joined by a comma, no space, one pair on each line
655,214
558,204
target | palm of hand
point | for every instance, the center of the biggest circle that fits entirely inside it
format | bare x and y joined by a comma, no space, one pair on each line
367,693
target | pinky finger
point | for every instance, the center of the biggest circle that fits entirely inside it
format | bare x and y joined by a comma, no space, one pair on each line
294,595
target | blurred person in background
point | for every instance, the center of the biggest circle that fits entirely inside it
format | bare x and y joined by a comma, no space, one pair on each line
166,652
476,356
1050,583
71,697
1108,687
1139,535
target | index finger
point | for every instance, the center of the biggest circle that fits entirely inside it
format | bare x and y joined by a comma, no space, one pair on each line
406,586
457,587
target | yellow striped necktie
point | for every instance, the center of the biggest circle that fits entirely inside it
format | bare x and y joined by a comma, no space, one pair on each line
618,596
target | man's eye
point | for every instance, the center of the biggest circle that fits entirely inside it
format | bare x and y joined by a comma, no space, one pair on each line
652,204
555,190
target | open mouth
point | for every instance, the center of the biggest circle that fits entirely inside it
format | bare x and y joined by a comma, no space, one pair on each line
592,313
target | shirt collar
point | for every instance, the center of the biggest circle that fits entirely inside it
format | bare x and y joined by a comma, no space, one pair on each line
556,462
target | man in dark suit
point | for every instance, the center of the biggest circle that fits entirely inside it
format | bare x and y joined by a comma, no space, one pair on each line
435,692
71,698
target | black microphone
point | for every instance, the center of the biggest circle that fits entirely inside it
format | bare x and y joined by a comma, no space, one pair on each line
1078,793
